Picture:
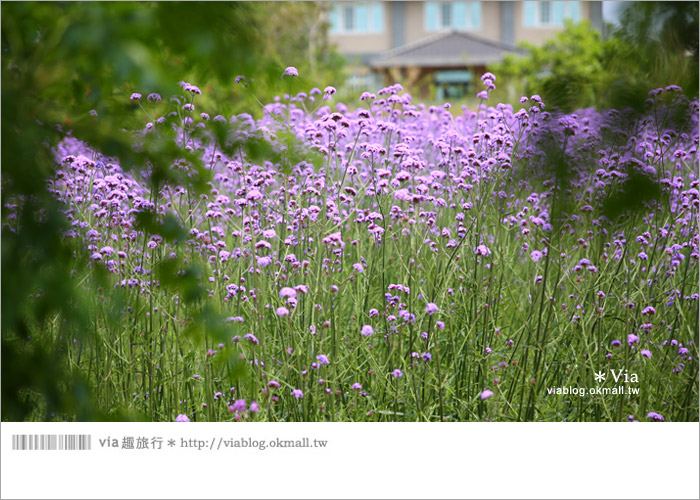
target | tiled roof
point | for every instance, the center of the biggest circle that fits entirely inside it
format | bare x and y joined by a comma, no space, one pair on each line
450,48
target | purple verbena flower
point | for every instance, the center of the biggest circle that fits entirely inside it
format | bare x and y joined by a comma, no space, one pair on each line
486,394
482,250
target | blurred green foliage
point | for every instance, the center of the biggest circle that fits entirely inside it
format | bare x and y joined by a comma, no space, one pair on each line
61,60
655,45
567,70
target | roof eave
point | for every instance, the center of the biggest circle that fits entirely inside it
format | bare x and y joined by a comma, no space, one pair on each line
432,62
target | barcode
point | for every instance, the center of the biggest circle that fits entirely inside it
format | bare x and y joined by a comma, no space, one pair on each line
51,442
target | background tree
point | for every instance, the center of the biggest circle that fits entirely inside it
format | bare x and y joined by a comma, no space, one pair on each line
566,70
655,45
59,62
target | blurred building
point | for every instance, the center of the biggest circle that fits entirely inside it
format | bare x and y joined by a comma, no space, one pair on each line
446,44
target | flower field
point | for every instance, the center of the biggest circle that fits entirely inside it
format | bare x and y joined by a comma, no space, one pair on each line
383,260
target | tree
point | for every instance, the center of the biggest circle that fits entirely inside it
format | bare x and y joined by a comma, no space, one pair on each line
656,45
566,70
59,62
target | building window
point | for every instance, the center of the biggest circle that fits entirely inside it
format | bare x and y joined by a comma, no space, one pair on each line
550,14
349,18
453,84
545,17
445,15
356,17
439,16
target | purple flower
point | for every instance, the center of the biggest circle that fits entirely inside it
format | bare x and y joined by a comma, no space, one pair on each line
486,394
367,330
632,339
135,96
254,407
252,338
397,373
427,357
254,194
431,308
648,310
646,353
182,418
656,416
238,405
288,292
297,393
356,387
482,250
323,359
153,97
291,71
274,384
616,343
282,311
535,255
